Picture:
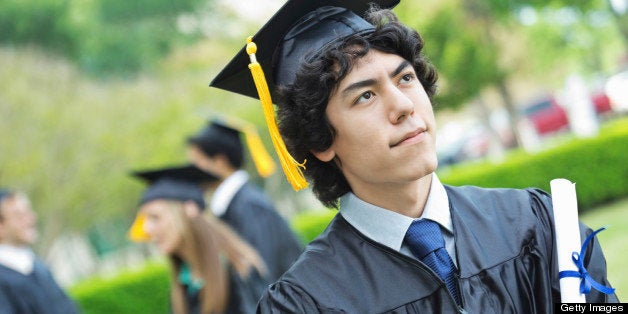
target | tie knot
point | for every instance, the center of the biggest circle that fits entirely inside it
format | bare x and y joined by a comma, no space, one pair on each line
424,237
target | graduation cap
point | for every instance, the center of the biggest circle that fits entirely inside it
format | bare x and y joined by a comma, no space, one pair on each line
222,135
298,30
188,173
179,183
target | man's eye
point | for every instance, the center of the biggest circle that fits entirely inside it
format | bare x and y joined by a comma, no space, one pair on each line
407,78
364,97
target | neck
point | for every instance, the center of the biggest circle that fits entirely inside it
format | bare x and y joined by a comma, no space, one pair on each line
226,172
407,199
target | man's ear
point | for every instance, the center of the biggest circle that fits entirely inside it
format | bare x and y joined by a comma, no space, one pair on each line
325,155
191,209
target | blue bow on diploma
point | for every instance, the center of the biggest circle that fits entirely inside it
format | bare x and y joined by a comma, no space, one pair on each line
586,282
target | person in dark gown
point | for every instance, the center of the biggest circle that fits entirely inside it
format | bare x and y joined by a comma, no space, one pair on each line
212,269
26,284
236,200
353,94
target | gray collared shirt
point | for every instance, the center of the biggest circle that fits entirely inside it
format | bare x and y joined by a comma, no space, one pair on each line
389,228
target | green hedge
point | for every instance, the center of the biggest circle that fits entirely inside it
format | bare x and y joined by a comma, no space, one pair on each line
310,224
597,165
142,291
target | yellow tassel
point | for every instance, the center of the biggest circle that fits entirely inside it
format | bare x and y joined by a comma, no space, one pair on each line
263,162
136,232
291,167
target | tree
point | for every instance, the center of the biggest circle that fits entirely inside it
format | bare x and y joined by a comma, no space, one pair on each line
467,40
105,37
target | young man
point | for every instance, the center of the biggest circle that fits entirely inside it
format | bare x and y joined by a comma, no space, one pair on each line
26,284
217,148
354,100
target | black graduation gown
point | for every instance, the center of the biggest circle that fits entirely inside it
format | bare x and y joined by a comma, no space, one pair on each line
243,294
505,252
34,293
254,218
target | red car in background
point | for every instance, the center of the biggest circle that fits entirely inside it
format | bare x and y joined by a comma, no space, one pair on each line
548,116
601,102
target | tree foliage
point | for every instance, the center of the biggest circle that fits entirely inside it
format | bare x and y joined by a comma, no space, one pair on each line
70,140
103,36
466,62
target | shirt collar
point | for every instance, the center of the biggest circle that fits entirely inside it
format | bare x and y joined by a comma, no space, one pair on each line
20,259
388,227
437,205
225,192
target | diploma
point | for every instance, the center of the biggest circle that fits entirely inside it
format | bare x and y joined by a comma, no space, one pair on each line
567,237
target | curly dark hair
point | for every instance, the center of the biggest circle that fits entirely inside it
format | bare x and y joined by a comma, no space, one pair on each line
301,105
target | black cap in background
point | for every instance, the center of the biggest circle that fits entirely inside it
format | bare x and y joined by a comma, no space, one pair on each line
222,136
181,183
219,137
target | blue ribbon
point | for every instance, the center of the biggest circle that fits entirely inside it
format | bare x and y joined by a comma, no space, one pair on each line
586,282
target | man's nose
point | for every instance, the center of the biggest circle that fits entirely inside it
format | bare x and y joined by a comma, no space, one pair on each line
400,106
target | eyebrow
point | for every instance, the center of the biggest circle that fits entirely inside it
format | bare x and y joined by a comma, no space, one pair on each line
357,85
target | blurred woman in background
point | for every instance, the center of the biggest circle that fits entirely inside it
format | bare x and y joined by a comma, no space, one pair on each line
212,269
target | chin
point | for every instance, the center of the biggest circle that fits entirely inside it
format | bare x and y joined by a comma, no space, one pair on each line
430,164
424,168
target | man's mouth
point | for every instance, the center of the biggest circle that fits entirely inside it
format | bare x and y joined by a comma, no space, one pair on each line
415,136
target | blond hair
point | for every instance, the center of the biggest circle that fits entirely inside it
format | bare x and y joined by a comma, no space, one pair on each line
209,243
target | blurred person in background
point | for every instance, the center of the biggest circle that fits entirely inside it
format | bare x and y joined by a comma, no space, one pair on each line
218,149
26,284
212,269
355,101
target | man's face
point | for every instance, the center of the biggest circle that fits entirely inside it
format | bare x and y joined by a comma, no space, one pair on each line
213,165
384,124
18,222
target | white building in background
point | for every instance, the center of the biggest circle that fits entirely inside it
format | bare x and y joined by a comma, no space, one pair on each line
576,99
616,89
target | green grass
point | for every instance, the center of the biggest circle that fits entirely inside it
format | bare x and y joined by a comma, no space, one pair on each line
613,240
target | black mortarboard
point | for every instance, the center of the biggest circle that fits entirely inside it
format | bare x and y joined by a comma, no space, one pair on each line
217,137
180,183
298,30
223,136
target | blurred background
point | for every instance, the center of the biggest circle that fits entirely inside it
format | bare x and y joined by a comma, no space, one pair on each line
92,89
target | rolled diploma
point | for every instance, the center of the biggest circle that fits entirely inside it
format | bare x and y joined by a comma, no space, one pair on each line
567,237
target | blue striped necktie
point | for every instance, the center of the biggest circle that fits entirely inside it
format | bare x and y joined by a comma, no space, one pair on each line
426,243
